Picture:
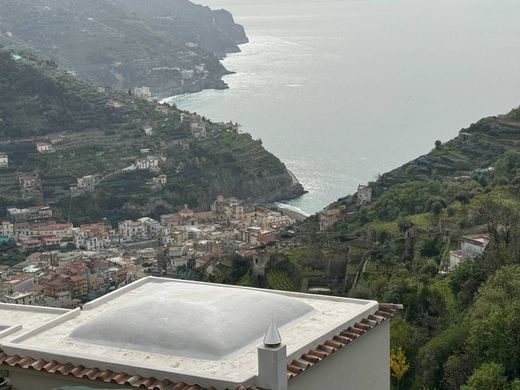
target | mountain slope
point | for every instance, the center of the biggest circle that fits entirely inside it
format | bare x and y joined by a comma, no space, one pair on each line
459,326
170,46
97,132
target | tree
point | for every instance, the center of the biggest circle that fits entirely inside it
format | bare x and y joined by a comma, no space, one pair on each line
398,365
404,224
488,376
496,314
457,370
438,144
463,198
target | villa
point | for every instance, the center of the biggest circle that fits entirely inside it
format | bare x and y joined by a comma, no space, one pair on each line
171,334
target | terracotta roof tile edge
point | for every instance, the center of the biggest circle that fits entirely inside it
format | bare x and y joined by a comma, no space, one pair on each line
96,374
345,337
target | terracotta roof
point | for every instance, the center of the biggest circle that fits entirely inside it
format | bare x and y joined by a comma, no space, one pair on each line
345,337
95,374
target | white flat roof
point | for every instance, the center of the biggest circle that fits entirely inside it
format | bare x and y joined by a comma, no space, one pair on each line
188,331
18,319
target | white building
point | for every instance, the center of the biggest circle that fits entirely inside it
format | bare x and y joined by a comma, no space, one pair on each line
198,335
148,130
43,147
7,229
143,93
470,247
21,298
4,160
151,225
147,163
29,214
132,230
92,237
60,230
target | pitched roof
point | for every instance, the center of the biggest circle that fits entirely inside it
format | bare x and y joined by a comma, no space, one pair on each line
345,337
99,375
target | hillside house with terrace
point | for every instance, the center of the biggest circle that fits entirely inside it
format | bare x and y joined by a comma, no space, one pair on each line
470,247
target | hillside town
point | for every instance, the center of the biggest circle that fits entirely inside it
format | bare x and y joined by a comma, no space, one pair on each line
68,265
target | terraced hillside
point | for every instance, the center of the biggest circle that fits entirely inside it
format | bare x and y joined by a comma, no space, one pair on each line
170,46
101,132
408,243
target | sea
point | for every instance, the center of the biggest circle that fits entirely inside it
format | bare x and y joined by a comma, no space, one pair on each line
344,90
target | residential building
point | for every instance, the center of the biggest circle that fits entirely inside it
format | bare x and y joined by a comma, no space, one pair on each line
147,163
59,230
87,183
328,218
132,230
148,130
39,213
143,92
161,179
470,247
4,160
151,225
21,298
92,237
21,283
28,181
44,147
266,339
7,229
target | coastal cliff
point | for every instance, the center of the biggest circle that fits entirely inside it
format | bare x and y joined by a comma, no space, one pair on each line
172,47
145,158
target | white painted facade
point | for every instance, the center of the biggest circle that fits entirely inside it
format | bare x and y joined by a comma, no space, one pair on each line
43,147
147,163
7,229
143,92
132,230
470,247
4,160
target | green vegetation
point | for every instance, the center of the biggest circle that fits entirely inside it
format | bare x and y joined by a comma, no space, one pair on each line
459,328
279,280
39,103
122,44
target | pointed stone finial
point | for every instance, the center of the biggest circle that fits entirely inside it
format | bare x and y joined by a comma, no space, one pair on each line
272,337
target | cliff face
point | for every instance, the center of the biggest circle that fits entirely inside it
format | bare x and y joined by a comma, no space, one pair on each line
170,46
102,133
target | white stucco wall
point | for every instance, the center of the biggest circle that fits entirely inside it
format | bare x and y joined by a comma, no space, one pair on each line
363,365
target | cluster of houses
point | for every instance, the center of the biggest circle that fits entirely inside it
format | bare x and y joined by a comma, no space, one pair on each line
65,280
329,217
175,240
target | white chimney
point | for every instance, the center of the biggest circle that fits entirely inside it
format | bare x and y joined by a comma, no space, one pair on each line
272,361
